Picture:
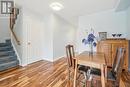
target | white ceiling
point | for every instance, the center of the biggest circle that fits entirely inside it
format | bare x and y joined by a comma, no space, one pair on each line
72,8
122,5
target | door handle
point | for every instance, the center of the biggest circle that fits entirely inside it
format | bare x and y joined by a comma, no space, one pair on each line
28,43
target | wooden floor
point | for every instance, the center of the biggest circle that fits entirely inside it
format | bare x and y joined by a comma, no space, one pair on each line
44,74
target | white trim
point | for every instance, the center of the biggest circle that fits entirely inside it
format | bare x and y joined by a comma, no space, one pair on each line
25,64
55,59
16,52
47,59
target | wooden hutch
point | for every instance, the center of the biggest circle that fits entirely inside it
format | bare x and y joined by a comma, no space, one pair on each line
109,47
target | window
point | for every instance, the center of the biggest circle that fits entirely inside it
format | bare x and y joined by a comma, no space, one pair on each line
6,7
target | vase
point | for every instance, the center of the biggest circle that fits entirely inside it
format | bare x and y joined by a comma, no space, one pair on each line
91,49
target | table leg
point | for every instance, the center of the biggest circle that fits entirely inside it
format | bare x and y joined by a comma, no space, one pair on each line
102,76
75,74
105,66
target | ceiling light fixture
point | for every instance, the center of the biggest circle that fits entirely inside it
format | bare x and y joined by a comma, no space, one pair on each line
56,6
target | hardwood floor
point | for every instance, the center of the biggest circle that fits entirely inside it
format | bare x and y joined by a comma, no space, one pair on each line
44,74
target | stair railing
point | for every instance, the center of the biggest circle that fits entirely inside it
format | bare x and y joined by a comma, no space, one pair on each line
13,16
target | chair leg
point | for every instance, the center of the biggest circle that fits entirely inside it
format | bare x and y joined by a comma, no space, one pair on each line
85,76
87,82
94,83
116,84
69,75
78,77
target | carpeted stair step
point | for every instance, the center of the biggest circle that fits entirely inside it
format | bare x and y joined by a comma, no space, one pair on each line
7,53
8,65
7,58
8,41
6,48
4,44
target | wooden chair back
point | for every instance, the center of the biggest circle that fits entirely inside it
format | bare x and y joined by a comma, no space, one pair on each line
70,55
118,64
115,61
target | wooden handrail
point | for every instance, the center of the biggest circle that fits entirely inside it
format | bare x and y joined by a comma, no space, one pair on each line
13,17
15,37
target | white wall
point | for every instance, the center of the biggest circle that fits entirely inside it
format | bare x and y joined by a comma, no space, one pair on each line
4,28
108,21
57,33
33,33
47,37
63,34
29,29
128,23
39,32
122,5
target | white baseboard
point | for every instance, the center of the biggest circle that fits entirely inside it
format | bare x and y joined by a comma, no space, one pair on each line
48,59
54,59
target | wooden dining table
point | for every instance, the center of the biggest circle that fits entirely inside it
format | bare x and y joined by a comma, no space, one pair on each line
95,60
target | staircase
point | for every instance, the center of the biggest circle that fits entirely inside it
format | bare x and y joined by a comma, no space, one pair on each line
8,58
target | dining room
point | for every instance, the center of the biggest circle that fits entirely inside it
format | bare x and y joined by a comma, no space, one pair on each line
69,43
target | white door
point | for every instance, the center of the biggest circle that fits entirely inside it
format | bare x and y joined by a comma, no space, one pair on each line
34,40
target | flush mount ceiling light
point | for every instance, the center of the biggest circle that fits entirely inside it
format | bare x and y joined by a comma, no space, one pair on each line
56,6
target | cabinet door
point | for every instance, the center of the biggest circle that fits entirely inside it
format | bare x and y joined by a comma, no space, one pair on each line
114,48
106,49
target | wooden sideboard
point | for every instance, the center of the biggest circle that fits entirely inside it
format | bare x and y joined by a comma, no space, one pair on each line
109,48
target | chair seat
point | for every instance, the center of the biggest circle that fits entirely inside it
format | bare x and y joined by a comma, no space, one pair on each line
95,71
83,68
110,76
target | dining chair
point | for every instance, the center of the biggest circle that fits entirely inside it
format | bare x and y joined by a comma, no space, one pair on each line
71,63
114,74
